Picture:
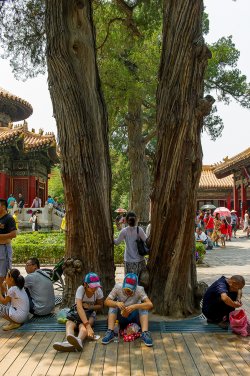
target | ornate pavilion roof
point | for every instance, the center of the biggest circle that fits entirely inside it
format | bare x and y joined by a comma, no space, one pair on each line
209,180
229,165
13,107
30,141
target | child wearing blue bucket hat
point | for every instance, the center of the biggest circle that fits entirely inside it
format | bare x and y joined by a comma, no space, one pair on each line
128,303
88,300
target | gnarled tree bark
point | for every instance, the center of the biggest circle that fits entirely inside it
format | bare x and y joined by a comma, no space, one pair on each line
140,181
180,111
81,118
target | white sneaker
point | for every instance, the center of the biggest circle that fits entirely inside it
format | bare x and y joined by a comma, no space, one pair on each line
64,346
76,342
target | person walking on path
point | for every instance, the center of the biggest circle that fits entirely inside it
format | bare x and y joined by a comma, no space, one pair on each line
133,262
234,222
246,220
216,233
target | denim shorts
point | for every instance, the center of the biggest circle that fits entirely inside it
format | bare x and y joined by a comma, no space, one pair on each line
5,259
134,317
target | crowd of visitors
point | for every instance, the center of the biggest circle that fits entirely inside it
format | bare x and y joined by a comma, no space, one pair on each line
219,228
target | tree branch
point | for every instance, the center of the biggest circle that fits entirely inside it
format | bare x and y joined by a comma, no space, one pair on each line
150,136
108,29
130,23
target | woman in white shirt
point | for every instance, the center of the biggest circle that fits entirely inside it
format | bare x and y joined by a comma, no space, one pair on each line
133,262
14,306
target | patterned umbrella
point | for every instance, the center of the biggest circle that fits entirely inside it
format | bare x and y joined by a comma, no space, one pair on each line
224,212
208,206
121,210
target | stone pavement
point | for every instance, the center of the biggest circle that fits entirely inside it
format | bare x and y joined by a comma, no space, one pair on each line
234,259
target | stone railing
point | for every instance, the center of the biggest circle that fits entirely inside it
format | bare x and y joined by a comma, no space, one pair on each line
48,218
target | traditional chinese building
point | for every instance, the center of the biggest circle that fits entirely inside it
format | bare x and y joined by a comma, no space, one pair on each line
218,192
26,157
239,167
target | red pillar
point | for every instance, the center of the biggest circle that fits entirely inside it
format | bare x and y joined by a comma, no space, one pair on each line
229,202
236,199
32,189
3,193
243,199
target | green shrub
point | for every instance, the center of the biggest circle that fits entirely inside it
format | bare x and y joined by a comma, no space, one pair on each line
49,247
200,252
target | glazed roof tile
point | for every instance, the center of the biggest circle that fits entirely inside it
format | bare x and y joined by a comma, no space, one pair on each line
209,180
31,140
16,107
229,164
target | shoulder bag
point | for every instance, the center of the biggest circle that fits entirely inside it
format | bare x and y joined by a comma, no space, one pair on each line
142,248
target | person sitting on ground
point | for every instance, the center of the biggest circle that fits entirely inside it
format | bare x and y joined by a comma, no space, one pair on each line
39,288
221,298
128,303
88,299
14,306
201,237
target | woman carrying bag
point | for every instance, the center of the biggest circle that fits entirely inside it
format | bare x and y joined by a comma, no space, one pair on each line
133,261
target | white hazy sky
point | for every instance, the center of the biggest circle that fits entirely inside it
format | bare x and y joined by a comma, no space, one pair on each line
226,18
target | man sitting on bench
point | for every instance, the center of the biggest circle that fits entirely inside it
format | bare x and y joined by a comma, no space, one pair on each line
221,298
39,288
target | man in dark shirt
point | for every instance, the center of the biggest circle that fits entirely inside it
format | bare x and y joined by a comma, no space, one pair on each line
7,232
221,298
21,201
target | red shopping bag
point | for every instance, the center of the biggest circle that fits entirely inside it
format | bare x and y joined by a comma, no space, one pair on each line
239,322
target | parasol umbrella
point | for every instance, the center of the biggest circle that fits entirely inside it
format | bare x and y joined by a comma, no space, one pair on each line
208,206
223,211
233,211
121,210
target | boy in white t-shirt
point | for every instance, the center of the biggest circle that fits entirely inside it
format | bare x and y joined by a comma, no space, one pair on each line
128,303
88,300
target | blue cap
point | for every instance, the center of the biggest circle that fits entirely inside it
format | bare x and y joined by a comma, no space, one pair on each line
130,281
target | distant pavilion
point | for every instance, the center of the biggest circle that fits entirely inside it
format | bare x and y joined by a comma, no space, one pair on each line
26,157
238,167
218,192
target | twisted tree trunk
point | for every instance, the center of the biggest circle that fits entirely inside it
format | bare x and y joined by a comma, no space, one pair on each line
140,181
180,111
81,118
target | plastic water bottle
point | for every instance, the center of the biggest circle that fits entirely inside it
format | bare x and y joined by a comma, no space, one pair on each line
116,331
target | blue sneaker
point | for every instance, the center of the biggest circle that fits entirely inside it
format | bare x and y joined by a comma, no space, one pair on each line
109,337
147,339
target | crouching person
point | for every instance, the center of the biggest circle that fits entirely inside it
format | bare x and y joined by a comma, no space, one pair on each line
221,298
128,303
81,317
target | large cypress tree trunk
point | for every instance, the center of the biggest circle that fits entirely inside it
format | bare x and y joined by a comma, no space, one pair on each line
180,111
81,118
140,181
